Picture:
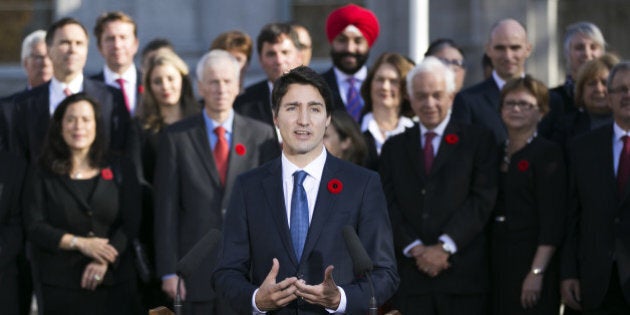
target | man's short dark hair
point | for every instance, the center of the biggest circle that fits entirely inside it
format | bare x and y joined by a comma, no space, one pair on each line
305,76
50,33
109,17
273,32
156,44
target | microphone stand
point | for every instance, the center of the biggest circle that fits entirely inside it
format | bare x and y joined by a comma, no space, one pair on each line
373,306
177,306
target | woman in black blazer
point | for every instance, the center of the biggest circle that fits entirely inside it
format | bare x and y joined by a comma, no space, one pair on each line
81,215
528,217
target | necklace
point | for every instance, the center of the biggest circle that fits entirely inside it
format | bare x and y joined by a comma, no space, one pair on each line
506,156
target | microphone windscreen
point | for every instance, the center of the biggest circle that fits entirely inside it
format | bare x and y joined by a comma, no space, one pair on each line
190,262
360,259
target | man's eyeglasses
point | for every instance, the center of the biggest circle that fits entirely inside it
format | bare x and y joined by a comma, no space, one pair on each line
522,105
454,63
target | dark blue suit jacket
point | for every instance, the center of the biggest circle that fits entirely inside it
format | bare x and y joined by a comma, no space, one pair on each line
257,231
479,105
31,117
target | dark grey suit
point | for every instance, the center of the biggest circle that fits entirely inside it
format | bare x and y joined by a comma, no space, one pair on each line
189,199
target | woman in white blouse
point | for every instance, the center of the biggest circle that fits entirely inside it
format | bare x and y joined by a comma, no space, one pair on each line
386,112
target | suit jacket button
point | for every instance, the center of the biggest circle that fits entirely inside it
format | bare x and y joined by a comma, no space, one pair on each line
617,220
425,215
423,192
90,234
89,213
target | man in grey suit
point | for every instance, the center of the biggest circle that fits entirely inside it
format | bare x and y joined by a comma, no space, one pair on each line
197,163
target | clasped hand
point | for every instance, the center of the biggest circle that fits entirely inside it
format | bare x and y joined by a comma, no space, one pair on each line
97,248
272,295
431,260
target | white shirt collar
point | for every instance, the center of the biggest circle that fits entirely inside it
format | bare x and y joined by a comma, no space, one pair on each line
56,91
75,86
439,129
619,132
343,77
314,169
368,123
500,82
130,76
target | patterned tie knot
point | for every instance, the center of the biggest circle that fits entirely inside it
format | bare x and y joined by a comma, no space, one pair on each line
351,81
429,135
298,177
219,131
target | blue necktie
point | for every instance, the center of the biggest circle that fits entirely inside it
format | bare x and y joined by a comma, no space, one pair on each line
299,213
355,104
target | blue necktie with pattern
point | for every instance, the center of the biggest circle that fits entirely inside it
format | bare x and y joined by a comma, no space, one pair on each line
354,101
299,213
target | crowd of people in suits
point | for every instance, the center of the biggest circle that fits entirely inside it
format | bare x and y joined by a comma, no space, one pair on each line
485,199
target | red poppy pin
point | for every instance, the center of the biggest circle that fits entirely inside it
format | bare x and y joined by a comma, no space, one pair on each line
240,149
107,174
523,165
335,186
451,138
140,89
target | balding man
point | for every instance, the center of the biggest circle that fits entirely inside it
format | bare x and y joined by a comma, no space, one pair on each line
351,31
508,48
440,182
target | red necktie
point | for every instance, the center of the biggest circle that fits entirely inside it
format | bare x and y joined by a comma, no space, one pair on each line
67,92
121,83
221,153
623,170
428,151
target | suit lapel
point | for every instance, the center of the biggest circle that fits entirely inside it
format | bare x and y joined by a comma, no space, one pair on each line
237,163
274,192
492,94
446,149
199,139
324,205
415,154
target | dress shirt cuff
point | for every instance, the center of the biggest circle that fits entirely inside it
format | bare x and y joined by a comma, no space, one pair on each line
342,303
168,276
255,309
448,241
407,249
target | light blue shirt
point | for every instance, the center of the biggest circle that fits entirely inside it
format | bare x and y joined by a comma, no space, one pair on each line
211,124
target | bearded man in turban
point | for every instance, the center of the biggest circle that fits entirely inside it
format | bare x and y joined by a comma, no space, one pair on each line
351,31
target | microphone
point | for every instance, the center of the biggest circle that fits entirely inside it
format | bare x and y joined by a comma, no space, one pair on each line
190,262
361,262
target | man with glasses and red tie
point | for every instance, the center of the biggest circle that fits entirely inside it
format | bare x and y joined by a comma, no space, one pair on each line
67,45
351,31
198,160
595,265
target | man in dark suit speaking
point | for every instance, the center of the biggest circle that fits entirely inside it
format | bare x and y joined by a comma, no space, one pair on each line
440,182
284,250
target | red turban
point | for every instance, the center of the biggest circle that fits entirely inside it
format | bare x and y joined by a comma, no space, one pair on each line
355,15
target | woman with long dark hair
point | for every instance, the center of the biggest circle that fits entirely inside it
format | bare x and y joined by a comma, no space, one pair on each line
81,215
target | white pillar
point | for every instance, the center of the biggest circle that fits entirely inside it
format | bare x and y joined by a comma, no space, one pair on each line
418,28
